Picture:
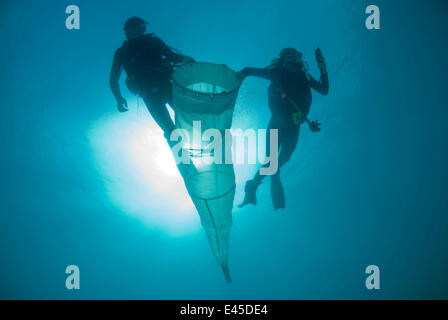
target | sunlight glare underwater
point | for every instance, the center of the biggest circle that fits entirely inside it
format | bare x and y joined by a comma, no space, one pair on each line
140,173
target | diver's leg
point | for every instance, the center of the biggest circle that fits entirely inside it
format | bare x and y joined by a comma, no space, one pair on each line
277,192
273,124
289,143
251,186
156,104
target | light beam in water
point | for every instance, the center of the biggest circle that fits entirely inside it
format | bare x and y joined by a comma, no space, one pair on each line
140,174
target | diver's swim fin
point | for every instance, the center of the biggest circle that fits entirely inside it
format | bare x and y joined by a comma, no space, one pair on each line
225,270
277,192
250,196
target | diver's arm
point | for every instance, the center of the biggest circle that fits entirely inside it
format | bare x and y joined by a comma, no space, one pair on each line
114,78
322,86
257,72
115,72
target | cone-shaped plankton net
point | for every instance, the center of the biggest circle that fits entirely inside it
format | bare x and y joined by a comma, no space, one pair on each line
204,96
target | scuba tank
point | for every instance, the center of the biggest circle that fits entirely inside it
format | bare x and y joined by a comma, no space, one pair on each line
142,73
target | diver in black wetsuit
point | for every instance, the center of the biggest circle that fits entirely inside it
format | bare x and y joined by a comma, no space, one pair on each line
290,101
148,63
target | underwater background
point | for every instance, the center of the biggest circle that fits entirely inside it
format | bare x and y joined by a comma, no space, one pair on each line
83,184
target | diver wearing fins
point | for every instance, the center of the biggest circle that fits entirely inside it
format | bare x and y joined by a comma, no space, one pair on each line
148,63
290,102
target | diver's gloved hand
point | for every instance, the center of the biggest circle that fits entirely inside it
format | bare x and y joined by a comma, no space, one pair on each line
315,126
187,60
245,71
122,105
321,64
242,74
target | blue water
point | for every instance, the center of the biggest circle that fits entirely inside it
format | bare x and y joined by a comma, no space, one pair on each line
82,184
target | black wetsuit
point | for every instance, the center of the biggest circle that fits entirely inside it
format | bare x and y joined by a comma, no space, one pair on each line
295,85
146,61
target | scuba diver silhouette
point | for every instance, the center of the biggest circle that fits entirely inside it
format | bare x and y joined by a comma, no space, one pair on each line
148,63
290,102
